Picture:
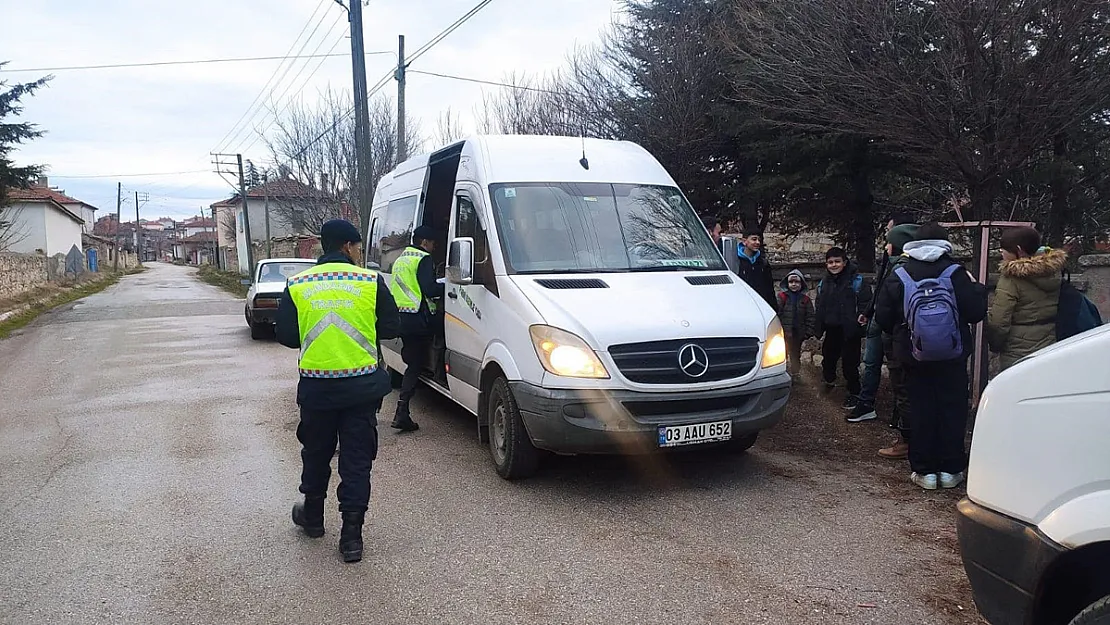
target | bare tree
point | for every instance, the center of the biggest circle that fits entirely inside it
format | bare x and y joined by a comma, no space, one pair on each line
966,90
315,145
12,230
449,128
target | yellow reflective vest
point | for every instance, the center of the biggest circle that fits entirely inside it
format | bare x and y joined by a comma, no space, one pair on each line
404,286
336,315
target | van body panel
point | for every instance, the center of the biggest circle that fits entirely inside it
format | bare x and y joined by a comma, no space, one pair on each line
1071,523
1042,429
635,305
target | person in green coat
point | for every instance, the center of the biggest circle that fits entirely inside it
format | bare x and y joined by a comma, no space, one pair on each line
1022,318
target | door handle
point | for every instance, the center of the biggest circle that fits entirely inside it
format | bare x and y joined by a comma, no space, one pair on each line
452,295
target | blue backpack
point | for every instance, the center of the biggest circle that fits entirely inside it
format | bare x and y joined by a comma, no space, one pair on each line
1075,313
932,316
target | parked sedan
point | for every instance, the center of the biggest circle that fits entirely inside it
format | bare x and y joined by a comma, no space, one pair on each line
266,287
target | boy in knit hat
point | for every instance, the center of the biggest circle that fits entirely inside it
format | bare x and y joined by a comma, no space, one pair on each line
796,314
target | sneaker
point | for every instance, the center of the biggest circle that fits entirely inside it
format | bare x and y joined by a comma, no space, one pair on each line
928,482
950,480
861,413
896,451
851,402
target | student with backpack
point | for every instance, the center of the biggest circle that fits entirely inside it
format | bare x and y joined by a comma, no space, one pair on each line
929,305
843,297
1022,318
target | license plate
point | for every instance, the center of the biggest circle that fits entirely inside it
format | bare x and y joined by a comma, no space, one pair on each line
675,435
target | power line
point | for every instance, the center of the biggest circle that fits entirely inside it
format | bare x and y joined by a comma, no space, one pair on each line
389,75
277,113
152,175
256,106
488,82
447,31
189,62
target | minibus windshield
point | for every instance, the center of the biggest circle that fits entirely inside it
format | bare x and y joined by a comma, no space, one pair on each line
572,227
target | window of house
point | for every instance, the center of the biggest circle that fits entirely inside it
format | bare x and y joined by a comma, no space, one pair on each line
467,225
395,232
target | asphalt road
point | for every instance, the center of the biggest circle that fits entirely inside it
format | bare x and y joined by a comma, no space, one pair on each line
148,462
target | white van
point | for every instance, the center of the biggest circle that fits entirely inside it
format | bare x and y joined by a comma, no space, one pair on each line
587,309
1035,527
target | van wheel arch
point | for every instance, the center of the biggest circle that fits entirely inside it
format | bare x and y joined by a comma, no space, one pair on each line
491,372
1075,581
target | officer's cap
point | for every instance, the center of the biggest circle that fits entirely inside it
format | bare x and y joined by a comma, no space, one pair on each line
339,231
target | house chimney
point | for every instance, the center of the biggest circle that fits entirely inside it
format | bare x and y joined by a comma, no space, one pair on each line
43,181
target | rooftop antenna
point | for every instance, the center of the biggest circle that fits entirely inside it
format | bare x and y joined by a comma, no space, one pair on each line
584,162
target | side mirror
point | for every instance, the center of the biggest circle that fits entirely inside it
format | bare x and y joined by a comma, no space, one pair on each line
460,261
246,282
373,265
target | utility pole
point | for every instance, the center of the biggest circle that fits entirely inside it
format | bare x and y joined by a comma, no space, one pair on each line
138,232
362,114
246,215
266,208
223,166
119,208
402,147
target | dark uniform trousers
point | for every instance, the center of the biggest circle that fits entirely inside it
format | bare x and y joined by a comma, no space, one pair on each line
414,351
355,429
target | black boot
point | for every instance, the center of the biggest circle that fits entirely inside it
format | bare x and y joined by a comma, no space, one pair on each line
309,516
350,537
403,420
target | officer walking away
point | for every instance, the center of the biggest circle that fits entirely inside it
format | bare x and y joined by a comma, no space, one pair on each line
336,313
754,268
414,288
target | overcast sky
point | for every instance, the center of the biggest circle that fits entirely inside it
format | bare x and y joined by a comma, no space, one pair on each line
108,122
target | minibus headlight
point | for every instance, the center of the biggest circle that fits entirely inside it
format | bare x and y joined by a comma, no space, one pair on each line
774,350
565,354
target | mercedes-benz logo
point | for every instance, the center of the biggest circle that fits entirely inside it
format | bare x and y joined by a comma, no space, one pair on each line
693,360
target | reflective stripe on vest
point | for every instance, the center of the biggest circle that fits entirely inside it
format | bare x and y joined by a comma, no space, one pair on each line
336,314
405,287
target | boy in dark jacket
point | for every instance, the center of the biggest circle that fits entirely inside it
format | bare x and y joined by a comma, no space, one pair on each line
938,390
754,268
796,315
842,298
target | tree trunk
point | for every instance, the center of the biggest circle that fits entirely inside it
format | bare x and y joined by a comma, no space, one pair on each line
1056,227
863,227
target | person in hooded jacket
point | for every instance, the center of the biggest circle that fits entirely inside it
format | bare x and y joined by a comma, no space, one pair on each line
1022,318
938,390
796,314
843,297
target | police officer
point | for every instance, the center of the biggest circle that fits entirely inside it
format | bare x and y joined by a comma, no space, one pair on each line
414,287
336,313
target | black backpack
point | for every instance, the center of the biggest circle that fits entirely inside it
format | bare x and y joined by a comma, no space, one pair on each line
1075,313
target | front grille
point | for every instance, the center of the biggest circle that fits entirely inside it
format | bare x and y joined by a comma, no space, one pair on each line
572,283
657,362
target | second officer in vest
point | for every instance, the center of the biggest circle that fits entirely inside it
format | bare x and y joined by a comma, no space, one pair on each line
415,289
336,313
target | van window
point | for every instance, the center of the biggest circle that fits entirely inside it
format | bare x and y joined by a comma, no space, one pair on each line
467,225
395,230
556,227
374,253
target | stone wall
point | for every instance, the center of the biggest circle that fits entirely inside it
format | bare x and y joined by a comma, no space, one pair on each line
20,273
1096,275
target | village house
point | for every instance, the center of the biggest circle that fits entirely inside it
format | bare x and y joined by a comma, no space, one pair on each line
281,209
37,219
